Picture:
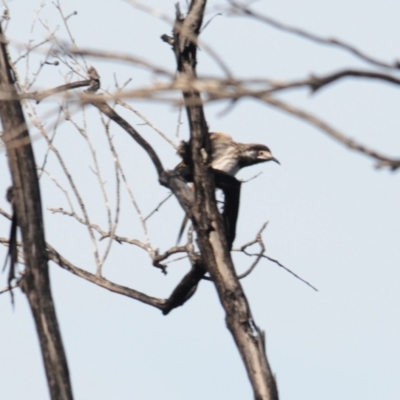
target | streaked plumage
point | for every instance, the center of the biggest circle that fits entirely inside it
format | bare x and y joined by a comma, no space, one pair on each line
230,156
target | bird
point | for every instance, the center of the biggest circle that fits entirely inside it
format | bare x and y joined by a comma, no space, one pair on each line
230,157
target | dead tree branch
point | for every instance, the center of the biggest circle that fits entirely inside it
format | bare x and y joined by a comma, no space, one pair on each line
59,89
243,9
383,161
110,113
102,282
182,292
28,208
207,220
315,82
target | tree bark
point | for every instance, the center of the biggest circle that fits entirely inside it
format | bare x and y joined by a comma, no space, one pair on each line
27,206
207,220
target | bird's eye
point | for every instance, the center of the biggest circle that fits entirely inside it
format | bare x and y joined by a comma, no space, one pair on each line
260,152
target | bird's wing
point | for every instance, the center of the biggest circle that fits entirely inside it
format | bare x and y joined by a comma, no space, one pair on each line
224,153
220,143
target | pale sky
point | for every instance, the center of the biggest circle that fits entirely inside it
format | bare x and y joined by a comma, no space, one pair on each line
333,218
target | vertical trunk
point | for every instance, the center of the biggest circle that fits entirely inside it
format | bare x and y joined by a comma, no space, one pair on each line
207,220
28,209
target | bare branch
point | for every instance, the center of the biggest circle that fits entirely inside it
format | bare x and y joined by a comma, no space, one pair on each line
83,221
148,122
287,270
110,113
113,225
63,190
155,256
251,178
98,174
317,82
5,214
173,250
37,122
383,161
27,209
109,55
9,288
59,89
242,8
207,221
182,293
258,240
186,288
120,171
32,48
184,30
41,169
71,37
100,281
158,206
178,123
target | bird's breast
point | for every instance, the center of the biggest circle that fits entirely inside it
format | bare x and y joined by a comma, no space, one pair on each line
226,164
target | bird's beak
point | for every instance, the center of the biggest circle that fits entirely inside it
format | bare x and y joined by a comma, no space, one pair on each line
274,159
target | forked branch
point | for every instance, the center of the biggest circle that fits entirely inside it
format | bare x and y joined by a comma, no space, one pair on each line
207,221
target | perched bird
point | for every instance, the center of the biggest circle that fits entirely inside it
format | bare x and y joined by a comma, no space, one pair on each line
229,157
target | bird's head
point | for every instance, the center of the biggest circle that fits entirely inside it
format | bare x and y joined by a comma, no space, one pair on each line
254,154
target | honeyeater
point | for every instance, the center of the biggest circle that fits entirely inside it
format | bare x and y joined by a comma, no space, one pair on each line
229,156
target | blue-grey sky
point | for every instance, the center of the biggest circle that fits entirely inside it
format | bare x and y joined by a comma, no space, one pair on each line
333,218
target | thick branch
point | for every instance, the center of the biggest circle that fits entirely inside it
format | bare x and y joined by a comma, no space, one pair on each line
208,222
28,208
59,89
186,288
182,292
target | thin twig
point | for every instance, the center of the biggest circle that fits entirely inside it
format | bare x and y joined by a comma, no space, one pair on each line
107,110
9,288
383,161
148,122
251,178
110,55
209,21
128,189
311,36
260,255
58,184
183,32
258,240
288,270
317,82
158,206
97,172
113,226
46,155
100,281
71,37
36,121
178,122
